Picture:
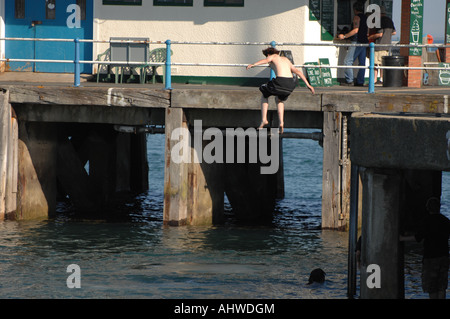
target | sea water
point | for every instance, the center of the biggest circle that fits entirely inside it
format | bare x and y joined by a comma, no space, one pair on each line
138,257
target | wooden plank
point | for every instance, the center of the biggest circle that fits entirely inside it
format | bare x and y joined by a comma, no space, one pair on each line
84,114
123,97
382,102
300,99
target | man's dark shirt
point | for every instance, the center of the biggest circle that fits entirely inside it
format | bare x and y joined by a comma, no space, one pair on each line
361,36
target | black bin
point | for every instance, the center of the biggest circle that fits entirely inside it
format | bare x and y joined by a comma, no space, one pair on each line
393,77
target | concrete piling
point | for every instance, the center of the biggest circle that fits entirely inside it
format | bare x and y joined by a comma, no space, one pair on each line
380,244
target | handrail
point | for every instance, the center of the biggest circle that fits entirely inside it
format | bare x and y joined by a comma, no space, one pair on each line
168,64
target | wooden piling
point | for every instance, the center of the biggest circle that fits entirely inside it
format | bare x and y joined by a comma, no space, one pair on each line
336,172
8,157
193,192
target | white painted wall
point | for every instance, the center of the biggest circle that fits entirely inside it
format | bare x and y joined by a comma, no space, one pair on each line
258,21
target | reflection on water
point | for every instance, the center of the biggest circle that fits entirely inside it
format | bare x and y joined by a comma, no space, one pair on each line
140,258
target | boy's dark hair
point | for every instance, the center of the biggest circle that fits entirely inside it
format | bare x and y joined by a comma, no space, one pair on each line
270,51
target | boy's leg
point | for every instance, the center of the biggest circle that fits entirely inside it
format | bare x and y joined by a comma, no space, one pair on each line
280,107
264,109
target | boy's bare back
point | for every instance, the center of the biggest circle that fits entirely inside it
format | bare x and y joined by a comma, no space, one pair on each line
281,65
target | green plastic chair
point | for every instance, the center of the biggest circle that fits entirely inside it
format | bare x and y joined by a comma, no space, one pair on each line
155,56
105,56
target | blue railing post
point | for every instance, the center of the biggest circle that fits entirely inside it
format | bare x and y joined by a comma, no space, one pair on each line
372,68
168,66
76,81
272,72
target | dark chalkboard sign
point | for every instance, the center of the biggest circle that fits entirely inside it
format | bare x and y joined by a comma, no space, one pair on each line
314,10
327,17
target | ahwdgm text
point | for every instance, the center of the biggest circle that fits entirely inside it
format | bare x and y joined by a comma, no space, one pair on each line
215,152
244,308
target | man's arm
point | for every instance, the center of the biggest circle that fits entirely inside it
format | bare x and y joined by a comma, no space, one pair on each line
302,76
356,21
260,62
375,36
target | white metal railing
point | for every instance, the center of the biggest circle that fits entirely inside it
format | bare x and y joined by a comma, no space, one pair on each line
168,64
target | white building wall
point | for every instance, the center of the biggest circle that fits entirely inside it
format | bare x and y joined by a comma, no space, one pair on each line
258,21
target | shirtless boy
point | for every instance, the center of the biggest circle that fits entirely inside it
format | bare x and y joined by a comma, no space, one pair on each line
281,86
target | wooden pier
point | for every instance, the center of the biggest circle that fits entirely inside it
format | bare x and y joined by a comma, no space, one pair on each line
388,149
66,127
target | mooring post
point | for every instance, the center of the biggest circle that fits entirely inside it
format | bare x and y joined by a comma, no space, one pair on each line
77,63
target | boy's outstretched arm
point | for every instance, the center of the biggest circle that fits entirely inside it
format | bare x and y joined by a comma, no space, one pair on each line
302,76
260,62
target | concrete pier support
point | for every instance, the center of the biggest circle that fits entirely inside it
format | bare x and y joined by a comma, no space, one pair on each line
381,252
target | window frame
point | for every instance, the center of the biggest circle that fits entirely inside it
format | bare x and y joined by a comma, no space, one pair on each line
121,3
156,3
207,3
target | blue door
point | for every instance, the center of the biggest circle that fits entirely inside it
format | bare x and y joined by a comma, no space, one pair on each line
48,19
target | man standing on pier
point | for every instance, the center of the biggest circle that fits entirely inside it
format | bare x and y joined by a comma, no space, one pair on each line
281,86
359,36
382,35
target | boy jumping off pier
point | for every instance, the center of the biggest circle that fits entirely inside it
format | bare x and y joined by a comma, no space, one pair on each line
281,86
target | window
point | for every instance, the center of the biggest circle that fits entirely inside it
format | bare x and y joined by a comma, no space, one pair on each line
224,3
172,3
82,5
19,9
123,2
